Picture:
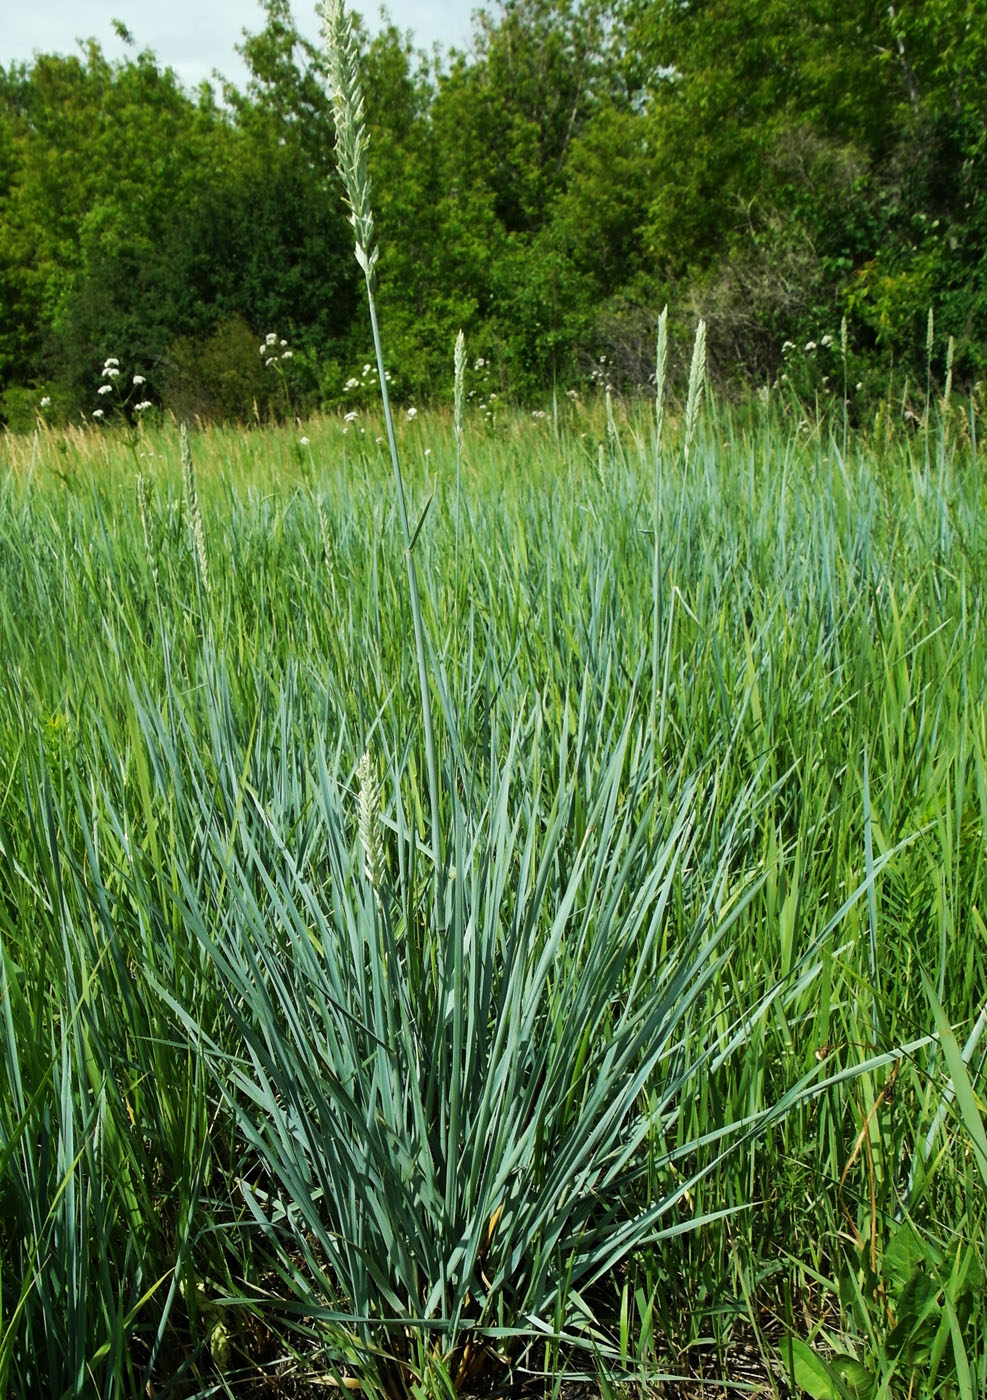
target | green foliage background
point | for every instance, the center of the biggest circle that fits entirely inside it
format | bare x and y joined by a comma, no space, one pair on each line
771,168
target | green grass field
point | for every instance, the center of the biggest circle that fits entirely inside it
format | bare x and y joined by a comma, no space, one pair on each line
665,1042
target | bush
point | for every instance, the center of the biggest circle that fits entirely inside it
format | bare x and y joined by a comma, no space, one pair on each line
224,376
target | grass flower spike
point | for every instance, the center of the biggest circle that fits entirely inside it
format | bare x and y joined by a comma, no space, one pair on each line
368,807
194,511
351,138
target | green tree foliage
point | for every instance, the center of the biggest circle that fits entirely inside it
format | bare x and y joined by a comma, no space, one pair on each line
138,219
815,159
770,167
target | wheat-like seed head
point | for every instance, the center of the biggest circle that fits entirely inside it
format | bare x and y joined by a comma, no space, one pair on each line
611,421
368,820
458,384
661,368
194,510
144,510
948,389
351,131
697,380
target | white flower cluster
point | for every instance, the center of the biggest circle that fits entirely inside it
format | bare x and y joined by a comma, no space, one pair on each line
109,374
810,345
367,374
480,396
600,375
274,349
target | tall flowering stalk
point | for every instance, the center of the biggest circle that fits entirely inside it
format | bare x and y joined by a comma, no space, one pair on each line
694,396
194,511
458,401
368,807
144,510
661,370
351,161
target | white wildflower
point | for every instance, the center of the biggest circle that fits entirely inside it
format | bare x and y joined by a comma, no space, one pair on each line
303,442
788,345
143,406
105,389
98,413
479,363
810,345
412,412
139,379
271,338
350,417
827,341
352,384
110,360
46,401
286,355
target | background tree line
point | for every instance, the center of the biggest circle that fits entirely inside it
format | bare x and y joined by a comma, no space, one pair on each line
773,168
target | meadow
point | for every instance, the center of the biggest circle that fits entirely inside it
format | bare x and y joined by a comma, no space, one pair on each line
573,968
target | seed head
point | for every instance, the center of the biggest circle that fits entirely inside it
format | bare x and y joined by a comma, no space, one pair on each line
194,510
144,510
661,370
368,806
351,131
697,382
458,383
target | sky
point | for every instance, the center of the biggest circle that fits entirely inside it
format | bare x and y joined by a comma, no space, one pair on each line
196,37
